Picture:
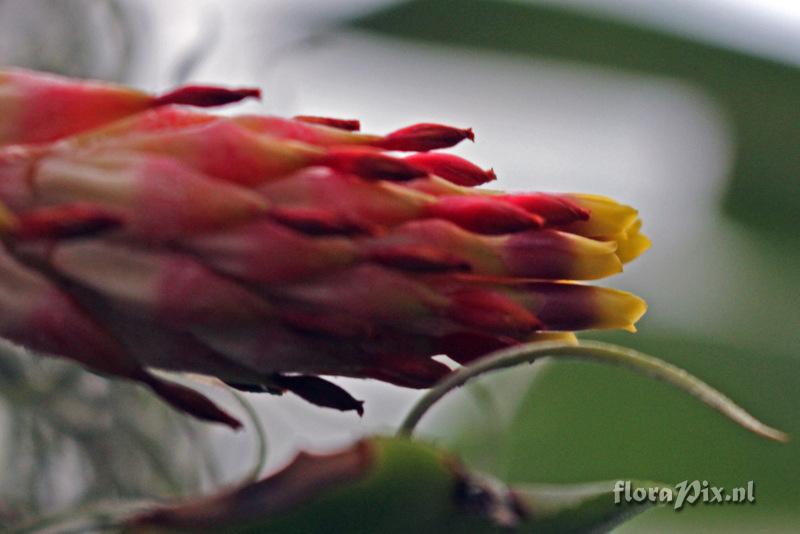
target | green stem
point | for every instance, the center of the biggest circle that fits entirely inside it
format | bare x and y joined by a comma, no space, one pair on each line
594,351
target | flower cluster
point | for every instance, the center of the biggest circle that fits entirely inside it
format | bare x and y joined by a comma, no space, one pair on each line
265,251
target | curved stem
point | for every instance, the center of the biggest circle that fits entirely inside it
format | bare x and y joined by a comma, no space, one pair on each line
599,352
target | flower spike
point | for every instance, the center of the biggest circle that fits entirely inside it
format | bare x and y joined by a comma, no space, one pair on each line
424,137
269,252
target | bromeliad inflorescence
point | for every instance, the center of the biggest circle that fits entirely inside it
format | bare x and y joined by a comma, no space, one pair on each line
265,251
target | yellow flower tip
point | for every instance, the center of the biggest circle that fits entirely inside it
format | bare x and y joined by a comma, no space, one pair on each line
594,259
607,216
635,310
618,310
632,243
597,267
633,248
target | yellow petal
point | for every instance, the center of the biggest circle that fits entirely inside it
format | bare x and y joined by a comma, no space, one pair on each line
632,243
618,309
608,217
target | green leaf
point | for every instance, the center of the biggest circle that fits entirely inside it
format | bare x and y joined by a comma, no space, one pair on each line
759,96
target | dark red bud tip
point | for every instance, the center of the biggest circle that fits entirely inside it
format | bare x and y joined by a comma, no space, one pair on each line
424,137
554,209
205,96
483,214
315,221
418,258
320,392
368,163
350,125
406,370
452,168
190,401
491,311
62,222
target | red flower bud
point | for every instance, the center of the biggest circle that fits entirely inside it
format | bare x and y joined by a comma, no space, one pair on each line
205,96
370,164
451,168
483,214
553,209
491,311
319,392
424,137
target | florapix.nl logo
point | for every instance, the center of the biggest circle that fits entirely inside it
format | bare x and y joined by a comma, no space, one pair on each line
683,493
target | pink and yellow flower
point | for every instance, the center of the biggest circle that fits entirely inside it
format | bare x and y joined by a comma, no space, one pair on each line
269,251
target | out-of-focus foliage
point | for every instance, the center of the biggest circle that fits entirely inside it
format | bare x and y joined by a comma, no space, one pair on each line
759,96
390,485
70,437
89,38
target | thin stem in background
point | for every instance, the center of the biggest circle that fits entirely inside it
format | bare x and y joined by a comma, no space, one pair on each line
594,351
